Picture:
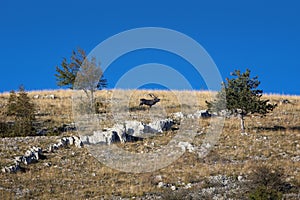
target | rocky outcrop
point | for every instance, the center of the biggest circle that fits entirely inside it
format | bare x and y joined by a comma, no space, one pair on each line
129,131
31,156
34,154
140,129
65,141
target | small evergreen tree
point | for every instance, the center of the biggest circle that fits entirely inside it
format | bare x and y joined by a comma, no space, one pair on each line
12,103
66,73
22,109
241,97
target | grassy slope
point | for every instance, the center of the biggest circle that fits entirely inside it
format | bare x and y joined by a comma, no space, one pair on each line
74,173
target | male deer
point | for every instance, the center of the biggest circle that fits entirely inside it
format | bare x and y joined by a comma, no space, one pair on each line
149,102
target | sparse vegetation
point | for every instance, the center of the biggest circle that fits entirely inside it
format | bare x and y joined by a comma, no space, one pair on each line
74,173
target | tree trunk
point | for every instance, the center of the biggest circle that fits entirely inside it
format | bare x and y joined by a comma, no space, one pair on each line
242,124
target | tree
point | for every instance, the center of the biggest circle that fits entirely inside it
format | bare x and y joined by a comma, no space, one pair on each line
12,103
66,73
240,96
88,79
22,109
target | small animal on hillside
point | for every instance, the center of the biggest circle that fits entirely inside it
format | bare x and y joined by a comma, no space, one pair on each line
149,102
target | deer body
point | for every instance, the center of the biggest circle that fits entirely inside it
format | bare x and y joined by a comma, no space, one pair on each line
149,102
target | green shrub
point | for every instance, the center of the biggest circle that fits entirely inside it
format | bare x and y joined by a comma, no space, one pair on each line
266,183
21,110
264,193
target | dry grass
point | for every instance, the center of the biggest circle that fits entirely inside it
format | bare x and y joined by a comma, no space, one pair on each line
74,173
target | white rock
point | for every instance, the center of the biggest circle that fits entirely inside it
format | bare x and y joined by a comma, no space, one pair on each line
158,178
71,140
244,134
188,186
121,132
160,184
178,115
50,96
47,164
36,96
36,151
190,116
240,178
173,187
78,142
186,146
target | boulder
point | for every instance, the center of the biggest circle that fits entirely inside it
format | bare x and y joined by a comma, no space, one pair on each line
139,129
31,155
11,169
200,114
109,136
77,142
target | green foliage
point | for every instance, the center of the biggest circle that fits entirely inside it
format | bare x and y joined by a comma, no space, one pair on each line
266,183
241,97
21,109
12,103
66,73
263,193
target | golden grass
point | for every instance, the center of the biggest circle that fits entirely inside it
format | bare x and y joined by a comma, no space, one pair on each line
273,140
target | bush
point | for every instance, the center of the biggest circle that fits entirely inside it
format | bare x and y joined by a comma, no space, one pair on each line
266,183
264,193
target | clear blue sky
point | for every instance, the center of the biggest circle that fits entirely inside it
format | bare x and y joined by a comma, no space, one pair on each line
261,35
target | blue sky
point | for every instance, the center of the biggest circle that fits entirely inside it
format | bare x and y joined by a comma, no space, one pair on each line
263,36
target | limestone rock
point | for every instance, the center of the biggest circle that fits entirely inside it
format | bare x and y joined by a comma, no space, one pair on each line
186,146
130,130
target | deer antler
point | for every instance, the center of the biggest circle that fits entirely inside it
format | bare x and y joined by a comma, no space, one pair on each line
152,95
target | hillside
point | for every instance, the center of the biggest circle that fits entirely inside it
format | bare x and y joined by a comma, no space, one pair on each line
71,172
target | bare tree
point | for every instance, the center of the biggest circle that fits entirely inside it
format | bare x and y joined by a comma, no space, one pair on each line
89,79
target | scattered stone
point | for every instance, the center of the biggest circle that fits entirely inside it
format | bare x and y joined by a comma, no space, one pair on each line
37,96
296,159
240,178
48,164
201,114
188,186
158,178
244,133
173,188
50,96
285,101
161,184
186,146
